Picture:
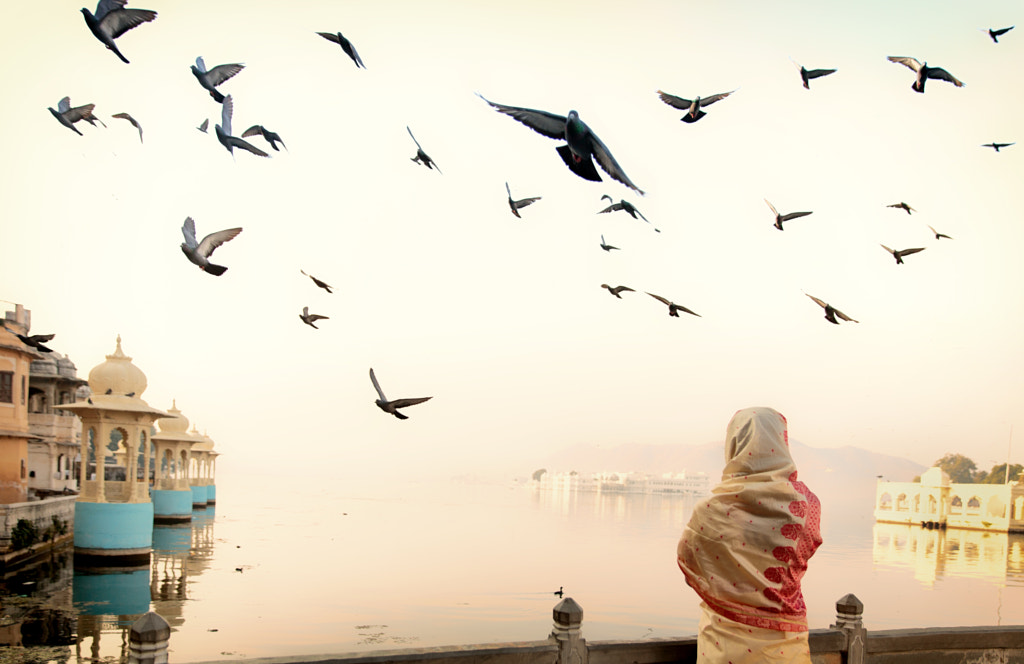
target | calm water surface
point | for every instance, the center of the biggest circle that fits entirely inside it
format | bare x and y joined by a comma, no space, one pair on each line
343,568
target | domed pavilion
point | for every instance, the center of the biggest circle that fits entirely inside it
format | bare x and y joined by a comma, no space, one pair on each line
172,493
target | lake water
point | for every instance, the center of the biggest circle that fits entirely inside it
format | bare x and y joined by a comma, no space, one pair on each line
355,568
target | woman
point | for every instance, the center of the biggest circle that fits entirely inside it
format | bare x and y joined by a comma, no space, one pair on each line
746,548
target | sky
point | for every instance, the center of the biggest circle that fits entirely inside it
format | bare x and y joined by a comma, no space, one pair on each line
502,320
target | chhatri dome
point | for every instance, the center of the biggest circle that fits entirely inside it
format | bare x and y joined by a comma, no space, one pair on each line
118,375
176,424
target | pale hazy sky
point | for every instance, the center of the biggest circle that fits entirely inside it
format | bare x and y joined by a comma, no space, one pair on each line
502,320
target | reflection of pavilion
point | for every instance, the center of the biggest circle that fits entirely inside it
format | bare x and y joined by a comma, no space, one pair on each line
990,507
934,554
108,601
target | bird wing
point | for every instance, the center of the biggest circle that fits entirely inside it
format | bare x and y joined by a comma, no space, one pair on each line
221,73
843,316
506,188
64,105
330,36
214,240
201,64
888,249
255,130
943,75
402,403
305,312
693,313
188,229
619,289
774,211
118,22
1003,31
611,208
135,123
202,127
523,202
907,252
906,62
315,317
815,73
246,145
104,7
793,215
376,386
542,122
414,138
227,109
674,101
659,298
707,101
607,161
820,303
350,48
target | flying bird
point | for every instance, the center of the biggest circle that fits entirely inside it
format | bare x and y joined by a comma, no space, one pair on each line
393,406
779,218
807,74
626,207
830,311
346,46
606,247
422,157
996,34
673,308
318,282
997,146
903,206
692,107
938,235
199,252
224,131
309,318
112,20
521,203
203,125
617,289
135,123
898,254
68,116
214,77
34,340
924,72
271,137
582,144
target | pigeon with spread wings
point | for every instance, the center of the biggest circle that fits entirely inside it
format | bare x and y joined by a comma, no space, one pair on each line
421,156
319,283
807,74
309,318
68,115
779,218
521,203
199,252
393,406
615,290
269,136
345,45
673,308
224,131
112,20
996,34
135,123
924,72
582,144
898,254
692,107
214,77
830,311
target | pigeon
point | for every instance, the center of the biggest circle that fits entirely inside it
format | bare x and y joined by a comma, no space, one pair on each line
422,157
779,218
112,20
996,34
902,206
203,125
318,282
617,289
214,77
224,131
308,318
924,72
135,123
581,142
898,254
830,311
673,308
35,340
271,137
997,146
807,74
692,108
68,116
607,247
393,406
625,206
938,235
521,203
199,252
346,46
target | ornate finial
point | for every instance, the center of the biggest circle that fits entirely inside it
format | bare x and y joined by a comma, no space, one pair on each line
118,354
174,403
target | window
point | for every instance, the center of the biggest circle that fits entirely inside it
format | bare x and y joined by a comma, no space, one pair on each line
23,390
7,386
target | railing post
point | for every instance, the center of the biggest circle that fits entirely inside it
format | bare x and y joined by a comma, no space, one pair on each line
148,640
572,647
849,619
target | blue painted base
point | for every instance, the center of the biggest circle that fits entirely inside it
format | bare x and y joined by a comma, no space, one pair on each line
199,496
111,527
171,506
211,494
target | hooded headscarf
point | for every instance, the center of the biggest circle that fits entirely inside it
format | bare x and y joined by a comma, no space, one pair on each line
746,547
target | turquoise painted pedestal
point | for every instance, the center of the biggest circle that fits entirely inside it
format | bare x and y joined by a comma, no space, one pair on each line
116,534
199,496
211,494
171,506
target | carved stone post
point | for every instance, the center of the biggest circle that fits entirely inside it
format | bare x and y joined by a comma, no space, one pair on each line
849,614
572,647
148,640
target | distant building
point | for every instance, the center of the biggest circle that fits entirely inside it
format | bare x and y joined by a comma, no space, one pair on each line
934,500
683,483
53,381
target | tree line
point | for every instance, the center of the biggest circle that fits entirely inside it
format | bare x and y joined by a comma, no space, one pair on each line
963,470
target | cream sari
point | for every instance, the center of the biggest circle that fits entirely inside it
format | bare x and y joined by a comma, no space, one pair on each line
746,548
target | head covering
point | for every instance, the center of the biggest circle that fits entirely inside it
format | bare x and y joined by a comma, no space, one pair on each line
746,547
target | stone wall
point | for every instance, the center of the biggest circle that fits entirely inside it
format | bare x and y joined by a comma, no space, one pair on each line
39,512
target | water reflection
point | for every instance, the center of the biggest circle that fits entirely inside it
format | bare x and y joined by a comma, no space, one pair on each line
641,511
934,554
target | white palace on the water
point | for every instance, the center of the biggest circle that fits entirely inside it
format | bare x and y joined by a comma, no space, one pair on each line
693,484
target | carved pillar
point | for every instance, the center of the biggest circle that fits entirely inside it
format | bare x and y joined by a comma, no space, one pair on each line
572,647
849,619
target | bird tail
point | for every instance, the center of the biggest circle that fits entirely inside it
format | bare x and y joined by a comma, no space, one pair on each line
583,168
217,96
215,270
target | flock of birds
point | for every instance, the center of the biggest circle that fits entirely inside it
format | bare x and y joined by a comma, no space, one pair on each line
582,151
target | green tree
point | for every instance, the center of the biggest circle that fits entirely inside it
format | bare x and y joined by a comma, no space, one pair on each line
961,470
998,474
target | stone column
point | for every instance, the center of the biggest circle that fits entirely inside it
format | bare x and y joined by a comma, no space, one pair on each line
148,640
849,614
572,647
